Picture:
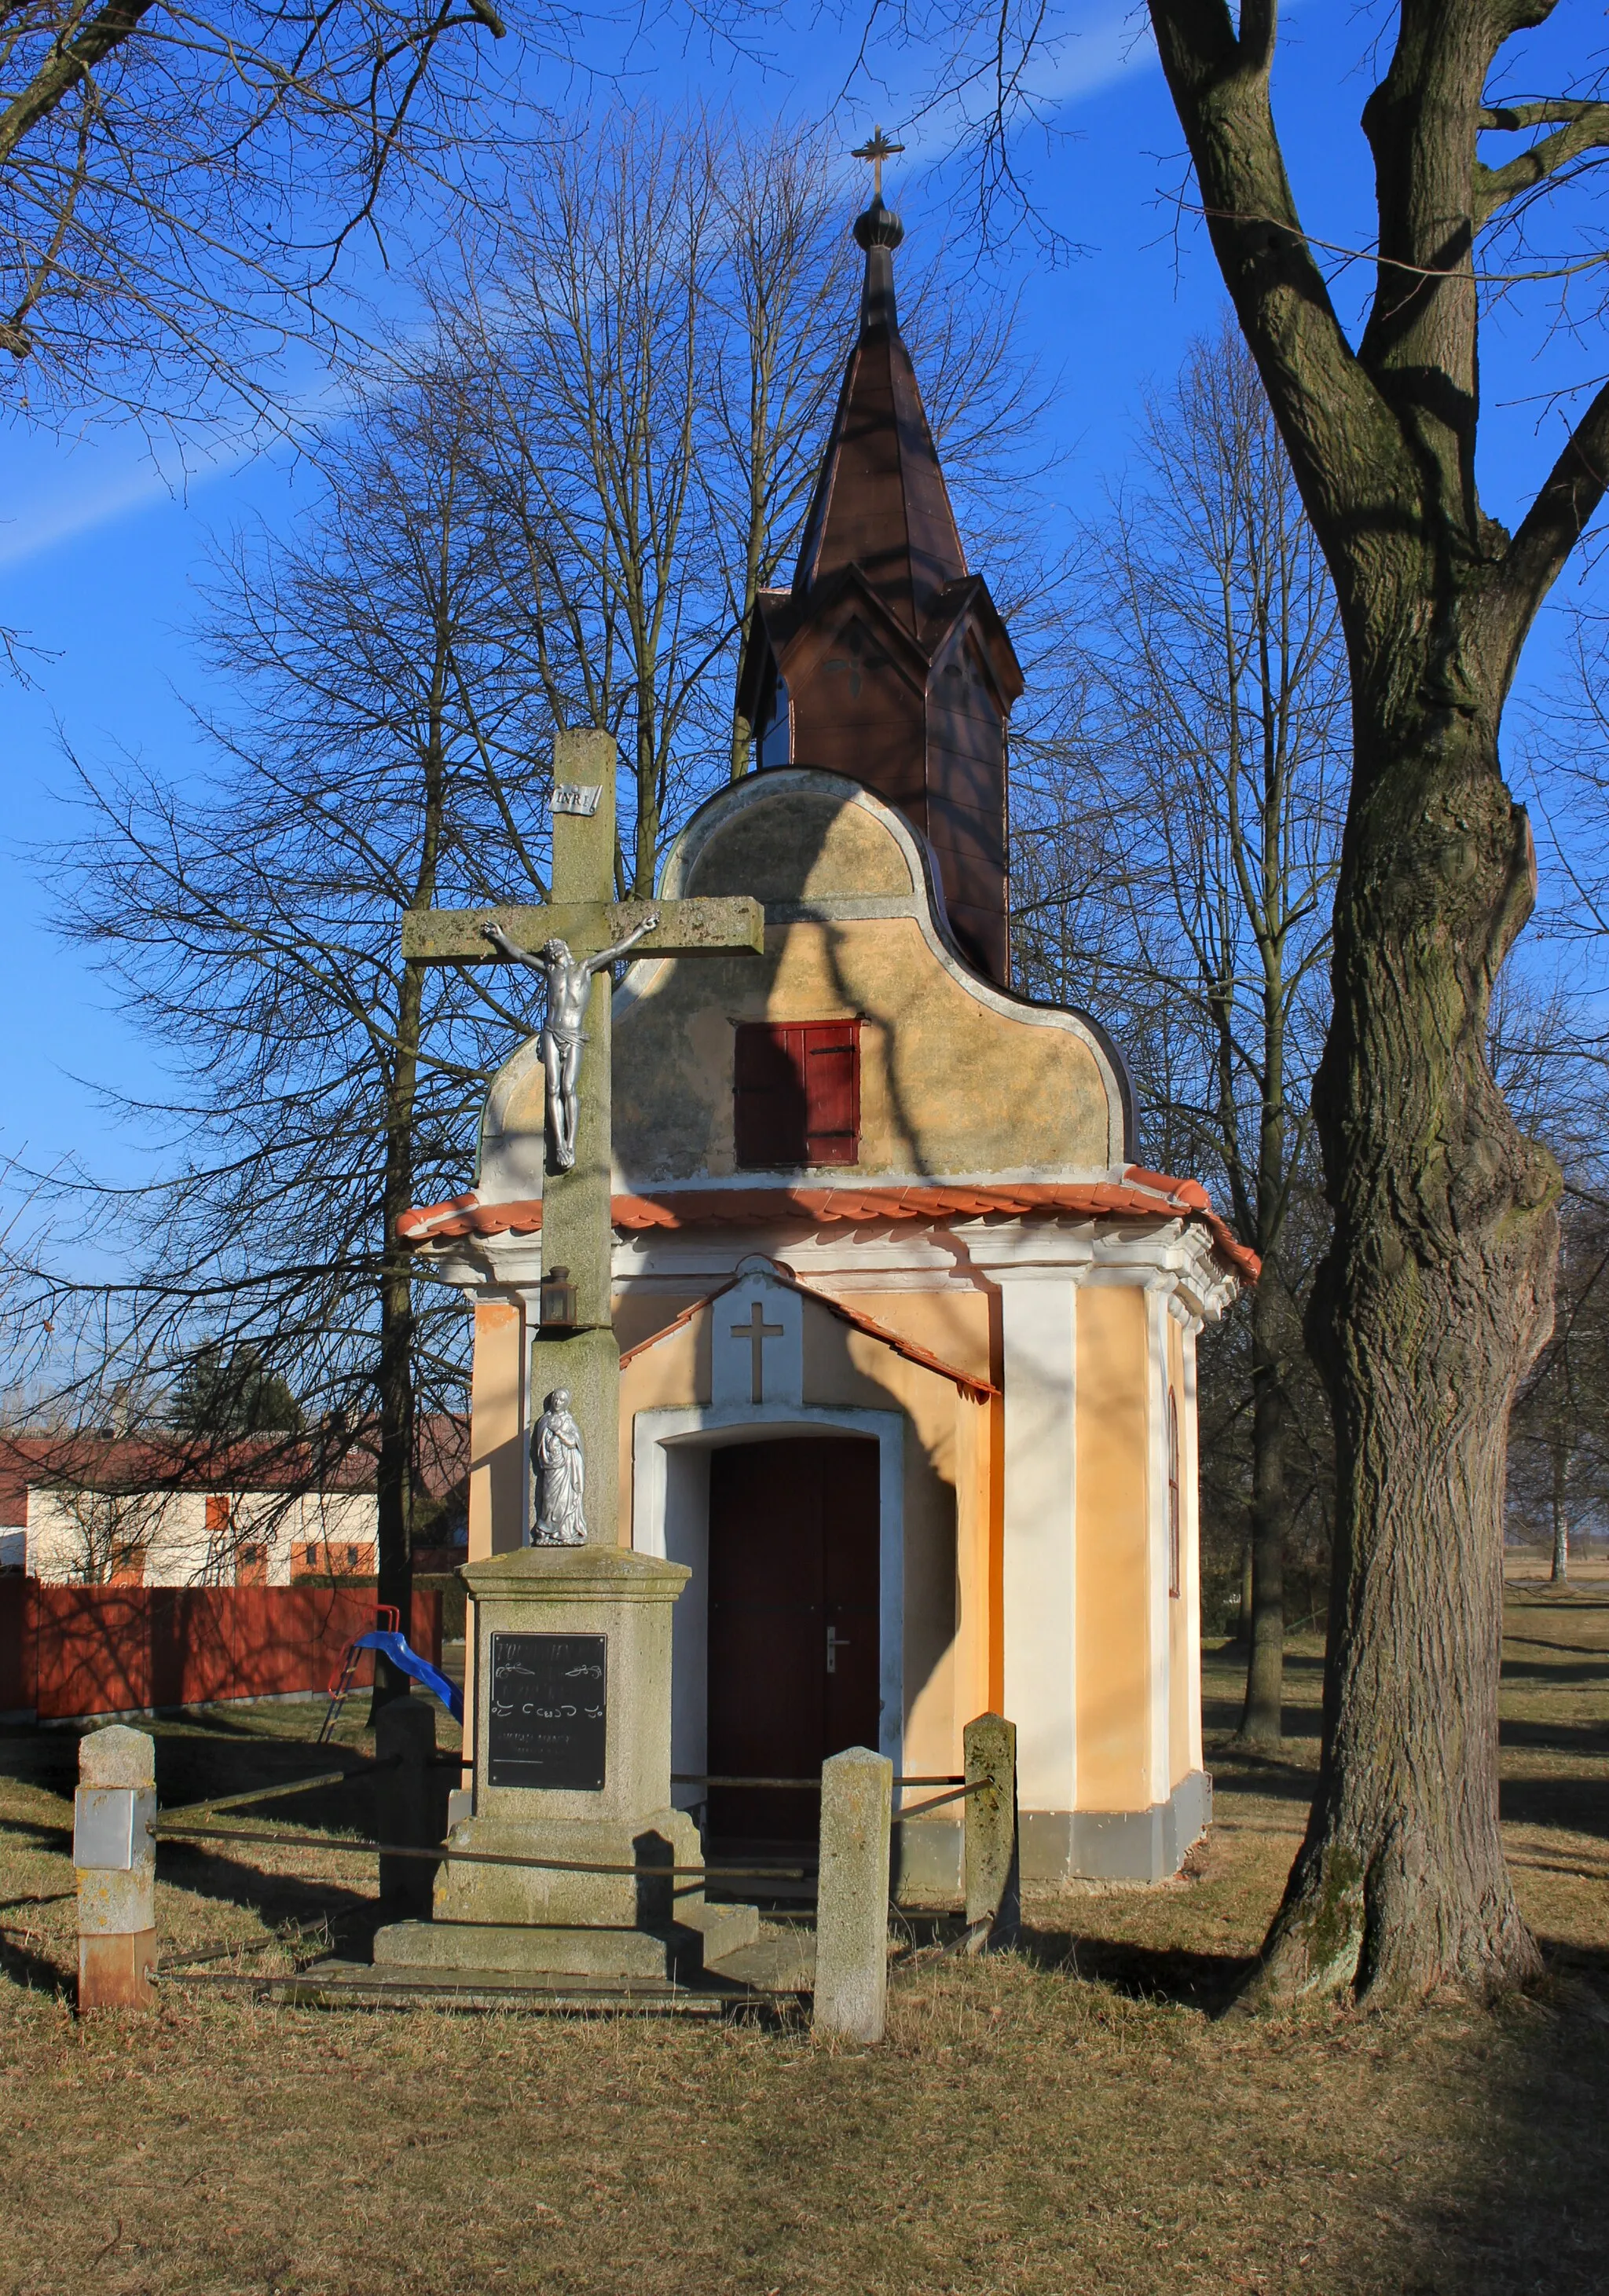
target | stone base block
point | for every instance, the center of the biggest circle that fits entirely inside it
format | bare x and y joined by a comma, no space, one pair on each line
572,1952
700,1935
725,1930
926,1862
1116,1845
518,1896
114,1972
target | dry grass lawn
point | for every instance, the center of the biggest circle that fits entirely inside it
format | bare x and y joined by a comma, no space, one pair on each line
1076,2117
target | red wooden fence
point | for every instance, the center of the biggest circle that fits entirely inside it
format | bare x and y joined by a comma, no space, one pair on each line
70,1651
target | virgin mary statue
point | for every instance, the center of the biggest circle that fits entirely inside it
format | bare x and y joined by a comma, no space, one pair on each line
555,1452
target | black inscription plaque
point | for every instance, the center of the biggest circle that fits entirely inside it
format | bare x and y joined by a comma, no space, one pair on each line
548,1711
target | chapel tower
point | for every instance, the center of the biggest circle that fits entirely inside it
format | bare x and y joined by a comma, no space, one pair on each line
887,661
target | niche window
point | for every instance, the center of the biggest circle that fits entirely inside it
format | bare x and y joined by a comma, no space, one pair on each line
797,1093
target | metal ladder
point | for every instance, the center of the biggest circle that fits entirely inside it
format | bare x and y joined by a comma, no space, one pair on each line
388,1618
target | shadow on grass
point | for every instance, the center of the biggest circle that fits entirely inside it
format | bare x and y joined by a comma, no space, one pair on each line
1569,1805
275,1899
1207,1981
39,1833
1550,1737
198,1758
1528,2211
30,1971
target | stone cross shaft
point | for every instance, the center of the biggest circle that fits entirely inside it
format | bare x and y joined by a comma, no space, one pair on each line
577,1230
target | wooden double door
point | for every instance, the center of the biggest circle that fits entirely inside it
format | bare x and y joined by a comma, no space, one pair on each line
794,1623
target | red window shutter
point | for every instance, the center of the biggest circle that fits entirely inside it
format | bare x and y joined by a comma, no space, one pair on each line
833,1091
797,1093
768,1105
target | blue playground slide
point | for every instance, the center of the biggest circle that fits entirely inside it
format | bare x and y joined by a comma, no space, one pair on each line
400,1653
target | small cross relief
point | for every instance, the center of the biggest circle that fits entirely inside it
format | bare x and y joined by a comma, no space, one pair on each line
758,1348
757,1331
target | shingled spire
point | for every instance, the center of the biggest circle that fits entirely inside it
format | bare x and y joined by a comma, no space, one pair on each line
886,660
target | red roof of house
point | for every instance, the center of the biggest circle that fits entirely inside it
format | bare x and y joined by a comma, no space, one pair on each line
254,1462
1148,1195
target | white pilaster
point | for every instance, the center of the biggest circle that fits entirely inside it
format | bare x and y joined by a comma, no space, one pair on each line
1039,1327
1190,1460
1157,1598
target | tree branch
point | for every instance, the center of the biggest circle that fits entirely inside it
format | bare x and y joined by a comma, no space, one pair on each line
68,63
1346,446
1585,128
1551,528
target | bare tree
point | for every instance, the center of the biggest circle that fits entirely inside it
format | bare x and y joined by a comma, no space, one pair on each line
516,531
652,347
1436,1289
786,274
382,759
175,188
1210,758
589,338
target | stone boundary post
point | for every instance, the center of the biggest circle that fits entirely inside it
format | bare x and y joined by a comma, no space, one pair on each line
852,1913
114,1858
408,1793
989,1840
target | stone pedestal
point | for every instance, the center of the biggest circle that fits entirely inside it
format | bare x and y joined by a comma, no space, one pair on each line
572,1763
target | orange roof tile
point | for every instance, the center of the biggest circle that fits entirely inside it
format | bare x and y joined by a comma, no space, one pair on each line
1142,1194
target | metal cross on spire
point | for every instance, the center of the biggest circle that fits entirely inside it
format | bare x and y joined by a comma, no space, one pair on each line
877,151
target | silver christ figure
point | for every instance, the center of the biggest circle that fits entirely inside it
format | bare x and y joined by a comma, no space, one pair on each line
561,1467
568,984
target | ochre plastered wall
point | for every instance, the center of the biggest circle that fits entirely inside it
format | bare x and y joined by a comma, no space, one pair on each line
948,1469
667,1377
1182,1613
497,1474
1112,1373
497,1458
948,1083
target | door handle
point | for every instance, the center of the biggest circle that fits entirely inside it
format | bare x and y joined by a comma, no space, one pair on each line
835,1642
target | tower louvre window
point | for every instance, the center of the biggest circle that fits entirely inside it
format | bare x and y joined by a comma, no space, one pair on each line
797,1093
776,740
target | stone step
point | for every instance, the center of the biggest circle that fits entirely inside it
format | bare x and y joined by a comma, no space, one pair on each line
699,1935
723,1929
327,1983
783,1964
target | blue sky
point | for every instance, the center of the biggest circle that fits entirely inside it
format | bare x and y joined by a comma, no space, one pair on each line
99,550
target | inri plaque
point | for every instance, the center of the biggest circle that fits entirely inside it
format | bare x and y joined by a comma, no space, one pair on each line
547,1715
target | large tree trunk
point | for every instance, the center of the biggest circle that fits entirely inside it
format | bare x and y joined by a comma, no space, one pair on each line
394,1376
1434,1296
1261,1720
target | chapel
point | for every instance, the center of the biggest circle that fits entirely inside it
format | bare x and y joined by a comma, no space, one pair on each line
907,1340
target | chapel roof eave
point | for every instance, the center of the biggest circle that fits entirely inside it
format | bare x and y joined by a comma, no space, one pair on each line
1141,1194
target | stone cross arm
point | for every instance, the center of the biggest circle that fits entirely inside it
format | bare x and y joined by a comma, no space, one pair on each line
691,927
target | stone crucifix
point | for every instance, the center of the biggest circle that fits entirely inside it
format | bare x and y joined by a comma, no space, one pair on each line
569,985
574,939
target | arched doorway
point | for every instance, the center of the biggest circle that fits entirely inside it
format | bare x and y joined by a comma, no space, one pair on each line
794,1622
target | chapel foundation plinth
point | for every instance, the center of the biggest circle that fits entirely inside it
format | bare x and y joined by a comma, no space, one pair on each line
572,1765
